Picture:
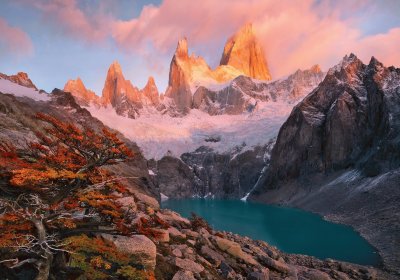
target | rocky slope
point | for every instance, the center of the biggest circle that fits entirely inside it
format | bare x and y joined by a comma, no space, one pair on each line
337,154
181,249
243,51
18,123
20,78
243,93
82,95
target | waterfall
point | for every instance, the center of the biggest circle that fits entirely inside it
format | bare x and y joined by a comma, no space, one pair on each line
255,185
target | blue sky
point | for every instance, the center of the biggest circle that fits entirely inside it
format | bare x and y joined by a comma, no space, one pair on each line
69,38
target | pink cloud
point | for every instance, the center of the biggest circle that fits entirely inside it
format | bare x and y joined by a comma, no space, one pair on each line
14,40
294,35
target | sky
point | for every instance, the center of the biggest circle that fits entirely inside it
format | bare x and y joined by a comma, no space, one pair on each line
57,40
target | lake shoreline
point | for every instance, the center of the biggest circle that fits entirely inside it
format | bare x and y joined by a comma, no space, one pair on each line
378,263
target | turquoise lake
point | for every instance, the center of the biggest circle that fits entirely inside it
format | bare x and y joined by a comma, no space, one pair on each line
291,230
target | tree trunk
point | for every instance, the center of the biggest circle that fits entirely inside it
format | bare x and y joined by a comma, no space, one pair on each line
44,263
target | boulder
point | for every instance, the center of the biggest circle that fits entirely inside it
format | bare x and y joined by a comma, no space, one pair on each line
139,247
259,275
234,249
212,255
162,235
151,201
172,218
189,265
183,275
190,233
226,271
174,232
177,253
314,274
127,203
279,266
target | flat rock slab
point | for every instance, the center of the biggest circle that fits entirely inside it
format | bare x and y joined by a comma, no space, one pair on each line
139,247
234,250
183,275
189,265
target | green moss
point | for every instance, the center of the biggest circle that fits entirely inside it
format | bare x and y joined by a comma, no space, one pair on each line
131,273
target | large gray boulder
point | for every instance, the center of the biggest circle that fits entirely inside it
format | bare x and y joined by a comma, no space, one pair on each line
139,247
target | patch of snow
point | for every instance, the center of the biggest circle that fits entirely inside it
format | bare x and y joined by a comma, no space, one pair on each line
7,86
158,134
151,173
163,197
346,177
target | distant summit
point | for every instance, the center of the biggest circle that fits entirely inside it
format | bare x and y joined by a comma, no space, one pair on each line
243,52
242,55
82,95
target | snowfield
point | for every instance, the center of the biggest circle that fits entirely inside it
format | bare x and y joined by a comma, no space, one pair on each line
7,86
158,135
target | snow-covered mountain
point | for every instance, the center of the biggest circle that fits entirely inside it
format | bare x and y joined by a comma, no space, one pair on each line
246,112
187,74
245,94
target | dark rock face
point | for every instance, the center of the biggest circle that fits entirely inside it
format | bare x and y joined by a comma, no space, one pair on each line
338,154
243,93
206,173
350,120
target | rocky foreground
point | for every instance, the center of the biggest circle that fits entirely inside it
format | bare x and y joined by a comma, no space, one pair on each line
190,249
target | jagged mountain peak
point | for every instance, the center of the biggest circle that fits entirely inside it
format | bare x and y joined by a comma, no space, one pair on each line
244,52
182,48
315,69
20,78
350,65
150,91
150,81
83,96
115,67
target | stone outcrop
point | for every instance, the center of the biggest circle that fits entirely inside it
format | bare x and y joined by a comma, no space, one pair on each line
205,172
141,248
242,56
120,93
243,52
336,153
243,93
179,78
82,95
346,122
150,92
21,78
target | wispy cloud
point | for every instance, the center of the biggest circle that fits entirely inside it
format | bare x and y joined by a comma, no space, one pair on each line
294,35
14,40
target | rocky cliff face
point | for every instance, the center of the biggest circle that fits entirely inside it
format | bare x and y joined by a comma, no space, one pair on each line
82,95
244,93
348,121
150,93
206,173
179,78
243,52
20,78
120,93
18,126
337,154
242,55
